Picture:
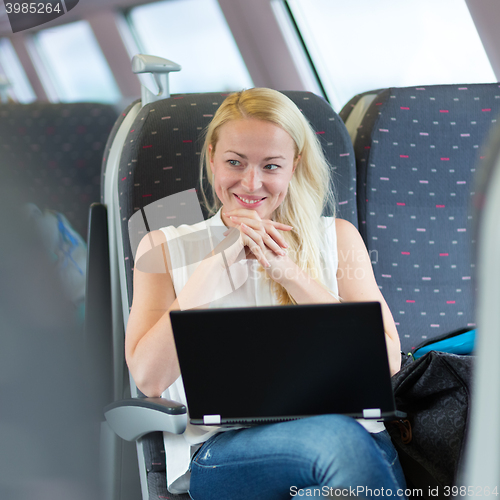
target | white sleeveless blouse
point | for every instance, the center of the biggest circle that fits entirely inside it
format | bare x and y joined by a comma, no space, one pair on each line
188,245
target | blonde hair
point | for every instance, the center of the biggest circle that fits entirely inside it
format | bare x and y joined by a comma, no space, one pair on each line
309,190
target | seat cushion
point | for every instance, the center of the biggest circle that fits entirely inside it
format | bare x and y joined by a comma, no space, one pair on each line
157,487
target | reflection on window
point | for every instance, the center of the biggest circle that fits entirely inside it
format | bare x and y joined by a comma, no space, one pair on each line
14,83
357,46
75,65
194,34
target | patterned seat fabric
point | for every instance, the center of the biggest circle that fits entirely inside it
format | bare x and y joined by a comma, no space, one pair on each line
54,152
161,157
416,153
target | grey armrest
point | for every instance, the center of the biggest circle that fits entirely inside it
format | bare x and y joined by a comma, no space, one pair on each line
133,418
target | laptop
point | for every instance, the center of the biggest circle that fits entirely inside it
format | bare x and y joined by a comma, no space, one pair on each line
256,365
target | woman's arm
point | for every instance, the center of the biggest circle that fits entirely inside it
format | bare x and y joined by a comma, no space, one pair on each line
149,344
357,283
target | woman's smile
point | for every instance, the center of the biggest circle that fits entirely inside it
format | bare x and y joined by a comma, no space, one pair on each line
249,201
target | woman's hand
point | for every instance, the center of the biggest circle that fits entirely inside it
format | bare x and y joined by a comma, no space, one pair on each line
262,240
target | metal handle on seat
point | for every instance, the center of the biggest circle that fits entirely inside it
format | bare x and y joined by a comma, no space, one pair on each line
159,68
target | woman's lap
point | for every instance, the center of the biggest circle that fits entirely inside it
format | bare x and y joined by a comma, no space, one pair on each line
275,461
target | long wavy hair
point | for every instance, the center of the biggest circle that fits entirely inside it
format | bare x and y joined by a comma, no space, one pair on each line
309,189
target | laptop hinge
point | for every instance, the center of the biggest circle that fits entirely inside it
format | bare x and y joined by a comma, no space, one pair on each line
211,419
372,413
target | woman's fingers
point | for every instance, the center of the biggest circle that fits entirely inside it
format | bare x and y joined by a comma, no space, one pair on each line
259,236
256,222
252,215
273,241
283,227
273,245
268,230
253,245
277,236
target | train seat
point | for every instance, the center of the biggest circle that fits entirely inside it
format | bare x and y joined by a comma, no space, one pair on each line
155,154
416,153
52,155
54,151
354,111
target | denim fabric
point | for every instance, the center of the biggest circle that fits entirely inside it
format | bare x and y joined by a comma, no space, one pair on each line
276,461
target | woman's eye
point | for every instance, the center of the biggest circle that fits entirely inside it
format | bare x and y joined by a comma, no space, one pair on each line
272,167
235,163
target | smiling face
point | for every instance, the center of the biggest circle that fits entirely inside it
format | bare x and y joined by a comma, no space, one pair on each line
252,162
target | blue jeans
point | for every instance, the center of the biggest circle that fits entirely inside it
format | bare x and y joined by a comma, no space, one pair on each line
279,461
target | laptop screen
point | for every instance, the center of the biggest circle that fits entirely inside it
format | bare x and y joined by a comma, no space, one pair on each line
285,361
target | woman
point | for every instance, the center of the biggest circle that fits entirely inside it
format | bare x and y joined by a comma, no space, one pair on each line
270,182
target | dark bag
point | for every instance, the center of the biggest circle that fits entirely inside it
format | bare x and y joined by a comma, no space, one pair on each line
434,391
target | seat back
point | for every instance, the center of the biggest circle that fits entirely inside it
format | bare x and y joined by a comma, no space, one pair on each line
354,111
161,156
155,153
416,151
55,152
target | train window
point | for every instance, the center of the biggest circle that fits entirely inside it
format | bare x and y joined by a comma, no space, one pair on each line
63,56
194,34
356,46
15,83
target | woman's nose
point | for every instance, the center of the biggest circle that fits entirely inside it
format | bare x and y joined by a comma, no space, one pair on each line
251,180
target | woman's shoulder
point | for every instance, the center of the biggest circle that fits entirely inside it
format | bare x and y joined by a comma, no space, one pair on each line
151,253
152,239
182,229
344,226
348,236
171,232
344,232
340,225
